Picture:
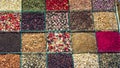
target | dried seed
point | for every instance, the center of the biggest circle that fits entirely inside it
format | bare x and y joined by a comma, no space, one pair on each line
60,61
33,42
57,21
84,42
10,5
9,61
105,21
81,20
85,60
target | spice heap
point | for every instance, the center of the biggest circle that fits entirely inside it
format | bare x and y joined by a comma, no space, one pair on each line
103,5
33,5
81,21
105,21
9,61
34,60
110,60
80,5
108,41
57,5
86,60
33,21
9,21
33,42
58,42
57,20
10,5
9,42
60,60
79,42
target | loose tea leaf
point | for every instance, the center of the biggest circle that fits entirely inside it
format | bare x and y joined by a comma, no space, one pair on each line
10,5
33,42
84,42
33,21
80,5
33,5
33,60
9,61
9,42
57,21
60,61
108,41
105,21
85,60
81,20
10,21
56,5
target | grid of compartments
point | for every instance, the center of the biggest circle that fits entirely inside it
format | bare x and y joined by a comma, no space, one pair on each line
59,34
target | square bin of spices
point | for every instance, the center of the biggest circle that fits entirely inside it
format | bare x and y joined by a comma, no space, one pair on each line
58,42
